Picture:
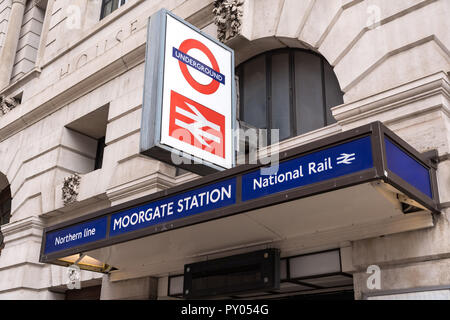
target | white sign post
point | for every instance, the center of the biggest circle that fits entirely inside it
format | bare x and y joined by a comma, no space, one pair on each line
189,105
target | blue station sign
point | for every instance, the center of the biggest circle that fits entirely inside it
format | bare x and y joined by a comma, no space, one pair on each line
361,155
408,168
208,198
180,206
76,235
343,159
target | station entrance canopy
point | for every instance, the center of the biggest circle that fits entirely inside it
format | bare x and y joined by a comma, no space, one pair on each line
357,184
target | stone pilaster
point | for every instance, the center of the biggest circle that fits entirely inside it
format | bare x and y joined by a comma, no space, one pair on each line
9,48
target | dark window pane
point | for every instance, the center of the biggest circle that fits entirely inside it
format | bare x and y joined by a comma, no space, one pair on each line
88,293
100,150
333,94
308,92
5,218
110,5
107,9
300,95
254,93
5,205
280,95
115,5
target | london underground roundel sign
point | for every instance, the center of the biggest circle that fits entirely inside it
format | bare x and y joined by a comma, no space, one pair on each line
188,44
189,89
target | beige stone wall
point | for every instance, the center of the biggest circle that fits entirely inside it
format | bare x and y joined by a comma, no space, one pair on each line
407,260
39,155
391,59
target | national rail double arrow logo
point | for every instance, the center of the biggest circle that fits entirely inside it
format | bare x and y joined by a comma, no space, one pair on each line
196,125
346,158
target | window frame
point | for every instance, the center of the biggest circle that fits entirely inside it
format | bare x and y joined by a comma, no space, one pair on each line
294,130
102,10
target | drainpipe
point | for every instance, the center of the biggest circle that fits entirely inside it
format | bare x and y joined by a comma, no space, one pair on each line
8,53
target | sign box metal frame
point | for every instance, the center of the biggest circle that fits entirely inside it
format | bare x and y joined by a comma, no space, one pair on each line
150,143
266,263
380,171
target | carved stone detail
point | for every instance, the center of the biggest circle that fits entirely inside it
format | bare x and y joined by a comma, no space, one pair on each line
7,104
228,18
70,188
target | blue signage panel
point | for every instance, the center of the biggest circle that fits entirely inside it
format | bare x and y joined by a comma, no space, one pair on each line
76,235
186,204
203,68
322,165
342,159
407,168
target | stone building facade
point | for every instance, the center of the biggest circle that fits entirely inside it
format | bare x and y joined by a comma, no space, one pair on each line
71,80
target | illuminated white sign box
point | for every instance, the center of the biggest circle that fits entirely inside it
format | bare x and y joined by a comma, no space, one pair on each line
189,110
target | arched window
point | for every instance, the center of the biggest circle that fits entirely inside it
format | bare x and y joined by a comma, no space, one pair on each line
5,209
291,90
5,205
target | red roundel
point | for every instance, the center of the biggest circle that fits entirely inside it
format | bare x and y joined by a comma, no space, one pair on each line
187,45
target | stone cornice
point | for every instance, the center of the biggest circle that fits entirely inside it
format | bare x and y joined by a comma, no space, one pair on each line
434,84
28,225
19,83
156,182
